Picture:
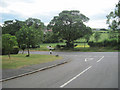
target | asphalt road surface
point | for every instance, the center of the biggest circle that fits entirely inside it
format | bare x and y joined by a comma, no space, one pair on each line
86,70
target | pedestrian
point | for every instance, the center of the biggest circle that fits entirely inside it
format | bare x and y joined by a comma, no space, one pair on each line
50,48
50,51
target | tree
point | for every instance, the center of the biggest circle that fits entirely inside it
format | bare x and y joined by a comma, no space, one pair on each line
23,47
28,36
69,26
97,36
50,37
88,34
38,26
113,19
8,41
12,26
35,22
0,40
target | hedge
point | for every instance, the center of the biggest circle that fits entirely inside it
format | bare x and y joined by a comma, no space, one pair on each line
105,43
14,51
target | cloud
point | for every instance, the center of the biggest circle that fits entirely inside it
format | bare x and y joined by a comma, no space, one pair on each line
47,9
97,23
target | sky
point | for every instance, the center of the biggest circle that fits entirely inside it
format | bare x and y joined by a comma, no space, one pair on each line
45,10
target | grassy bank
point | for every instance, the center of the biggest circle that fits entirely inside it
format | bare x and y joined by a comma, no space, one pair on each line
19,60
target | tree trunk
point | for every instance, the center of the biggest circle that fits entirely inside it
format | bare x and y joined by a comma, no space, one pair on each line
9,55
28,52
84,44
69,44
28,46
23,52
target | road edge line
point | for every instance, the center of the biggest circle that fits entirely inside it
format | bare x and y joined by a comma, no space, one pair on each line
41,69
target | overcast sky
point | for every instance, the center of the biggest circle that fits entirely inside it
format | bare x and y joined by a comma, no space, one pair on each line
45,10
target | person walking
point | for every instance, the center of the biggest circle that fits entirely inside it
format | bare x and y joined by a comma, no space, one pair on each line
50,51
50,48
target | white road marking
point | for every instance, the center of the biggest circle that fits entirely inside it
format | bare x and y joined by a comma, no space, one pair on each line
88,59
75,77
100,59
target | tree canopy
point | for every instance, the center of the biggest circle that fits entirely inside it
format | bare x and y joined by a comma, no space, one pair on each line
29,36
8,41
69,25
113,19
12,26
35,22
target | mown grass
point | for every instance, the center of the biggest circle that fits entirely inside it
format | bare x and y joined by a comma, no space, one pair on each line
19,60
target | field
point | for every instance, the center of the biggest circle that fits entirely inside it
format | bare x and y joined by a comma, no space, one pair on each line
80,42
104,35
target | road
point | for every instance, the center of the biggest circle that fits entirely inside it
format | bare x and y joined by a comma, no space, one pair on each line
86,70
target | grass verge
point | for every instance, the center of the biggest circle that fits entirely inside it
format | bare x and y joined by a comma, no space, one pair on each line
19,60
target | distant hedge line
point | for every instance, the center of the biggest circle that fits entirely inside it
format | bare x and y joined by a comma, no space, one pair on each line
106,43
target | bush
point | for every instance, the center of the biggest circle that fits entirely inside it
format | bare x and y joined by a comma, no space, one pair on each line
105,43
58,46
35,46
4,52
15,50
92,44
23,46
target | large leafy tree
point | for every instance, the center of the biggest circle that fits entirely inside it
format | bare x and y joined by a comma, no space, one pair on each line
113,19
28,35
38,27
69,26
50,37
8,41
35,22
12,26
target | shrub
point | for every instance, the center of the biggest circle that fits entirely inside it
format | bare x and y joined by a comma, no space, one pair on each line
15,50
57,46
92,44
4,52
35,46
23,47
105,43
